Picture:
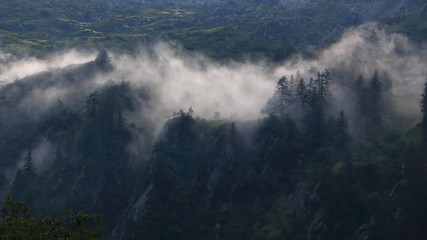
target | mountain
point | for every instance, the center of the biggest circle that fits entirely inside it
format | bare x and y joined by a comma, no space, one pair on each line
220,29
335,148
298,175
278,189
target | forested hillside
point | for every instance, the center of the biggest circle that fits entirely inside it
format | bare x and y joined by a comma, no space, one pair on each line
305,169
259,120
220,29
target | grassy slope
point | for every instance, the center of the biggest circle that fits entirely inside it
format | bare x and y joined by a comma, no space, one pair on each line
414,25
217,30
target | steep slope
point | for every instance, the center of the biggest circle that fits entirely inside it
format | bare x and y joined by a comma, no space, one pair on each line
211,180
75,135
39,93
290,175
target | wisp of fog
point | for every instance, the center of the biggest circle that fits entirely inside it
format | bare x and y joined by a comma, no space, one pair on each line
238,90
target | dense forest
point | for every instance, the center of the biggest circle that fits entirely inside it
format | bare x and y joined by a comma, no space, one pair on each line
176,119
305,169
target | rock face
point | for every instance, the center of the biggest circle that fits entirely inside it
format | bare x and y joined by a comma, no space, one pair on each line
205,179
37,93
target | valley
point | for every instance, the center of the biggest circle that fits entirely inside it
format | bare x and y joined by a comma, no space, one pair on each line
197,119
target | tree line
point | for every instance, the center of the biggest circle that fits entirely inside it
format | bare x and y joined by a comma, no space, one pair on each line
310,103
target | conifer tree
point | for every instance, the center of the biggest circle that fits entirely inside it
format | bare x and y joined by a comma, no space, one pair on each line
322,84
103,61
301,97
342,125
318,98
281,101
26,179
92,107
283,93
91,144
292,84
29,169
370,102
360,89
375,99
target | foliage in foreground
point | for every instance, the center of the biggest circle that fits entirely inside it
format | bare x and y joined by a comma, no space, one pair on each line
18,224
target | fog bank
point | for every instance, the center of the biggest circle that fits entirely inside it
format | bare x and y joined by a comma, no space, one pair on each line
238,90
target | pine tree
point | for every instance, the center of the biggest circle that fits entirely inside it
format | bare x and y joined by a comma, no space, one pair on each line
375,98
322,84
92,107
318,100
342,125
103,61
29,169
301,97
360,89
91,138
372,100
292,83
281,101
283,93
25,182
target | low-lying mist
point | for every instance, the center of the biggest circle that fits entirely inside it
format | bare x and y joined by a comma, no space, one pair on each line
401,65
13,68
238,90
